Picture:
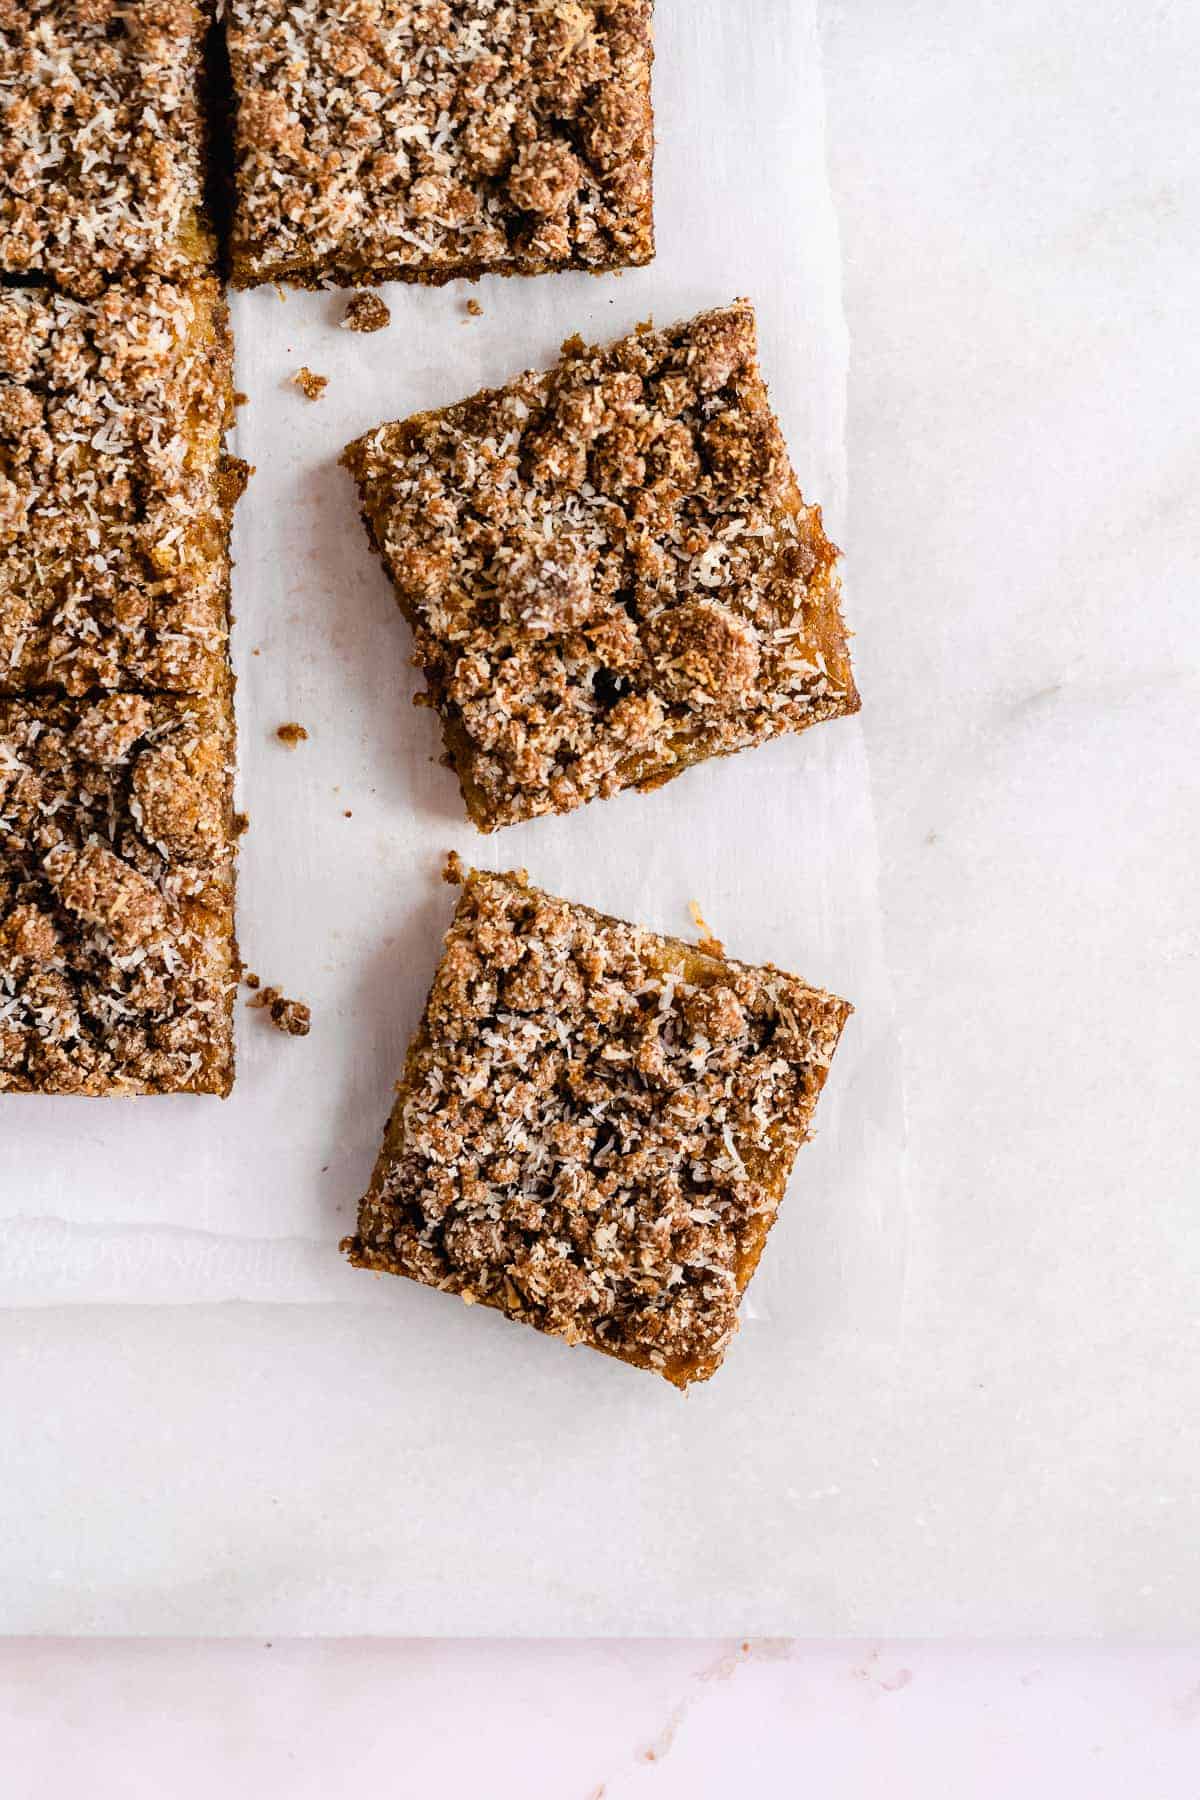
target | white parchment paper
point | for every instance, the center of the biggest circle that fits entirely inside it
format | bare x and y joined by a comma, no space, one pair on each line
340,903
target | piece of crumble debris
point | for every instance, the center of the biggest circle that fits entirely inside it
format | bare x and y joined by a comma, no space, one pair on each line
474,310
240,399
251,980
240,824
290,1016
348,814
366,312
454,871
709,943
312,386
291,734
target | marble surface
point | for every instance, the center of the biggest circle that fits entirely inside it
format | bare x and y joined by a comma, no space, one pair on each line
594,1721
1016,1454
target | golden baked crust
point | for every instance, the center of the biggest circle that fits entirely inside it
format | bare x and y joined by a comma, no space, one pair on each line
595,1127
101,139
422,140
118,964
115,493
609,569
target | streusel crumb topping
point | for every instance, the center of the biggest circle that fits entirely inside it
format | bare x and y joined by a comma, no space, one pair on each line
609,569
595,1127
117,957
101,142
115,495
425,139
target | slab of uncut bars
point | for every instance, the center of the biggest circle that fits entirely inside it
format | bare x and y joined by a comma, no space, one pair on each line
609,569
115,493
117,956
382,140
595,1127
101,139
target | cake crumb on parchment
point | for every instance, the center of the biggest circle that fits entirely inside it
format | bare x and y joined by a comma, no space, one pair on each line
366,312
292,1017
311,385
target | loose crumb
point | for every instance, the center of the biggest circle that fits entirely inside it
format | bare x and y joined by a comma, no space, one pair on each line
455,871
311,386
474,309
290,1016
291,734
241,824
251,980
709,943
347,814
366,312
240,399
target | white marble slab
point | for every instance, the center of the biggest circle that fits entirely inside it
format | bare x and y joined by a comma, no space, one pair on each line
984,1423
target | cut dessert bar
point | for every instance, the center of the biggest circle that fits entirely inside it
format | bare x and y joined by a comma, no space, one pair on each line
101,139
386,140
117,956
609,569
115,493
595,1127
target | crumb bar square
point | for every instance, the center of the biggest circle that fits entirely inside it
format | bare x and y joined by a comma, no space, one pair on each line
116,496
118,963
609,569
595,1127
421,140
102,139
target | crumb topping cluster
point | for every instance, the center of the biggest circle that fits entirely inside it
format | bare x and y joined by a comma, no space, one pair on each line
609,569
431,138
117,968
595,1127
115,496
366,311
101,144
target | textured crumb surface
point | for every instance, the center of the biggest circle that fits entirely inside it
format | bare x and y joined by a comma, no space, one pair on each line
366,312
311,385
117,957
609,569
595,1127
292,1017
115,493
101,142
384,139
291,734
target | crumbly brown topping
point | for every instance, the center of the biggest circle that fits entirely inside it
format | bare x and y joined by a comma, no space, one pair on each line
421,141
595,1127
366,312
101,144
311,385
115,494
117,957
609,568
292,1017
